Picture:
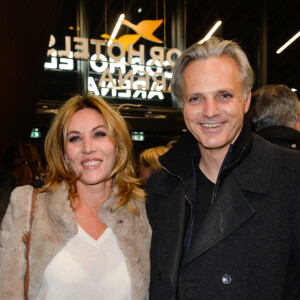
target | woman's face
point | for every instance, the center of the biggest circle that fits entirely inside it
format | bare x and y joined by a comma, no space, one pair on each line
89,151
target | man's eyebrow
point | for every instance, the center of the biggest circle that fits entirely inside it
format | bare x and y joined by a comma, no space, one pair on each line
222,91
214,92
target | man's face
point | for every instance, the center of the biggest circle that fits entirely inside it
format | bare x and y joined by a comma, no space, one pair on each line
213,102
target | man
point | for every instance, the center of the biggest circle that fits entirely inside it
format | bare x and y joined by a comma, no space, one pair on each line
275,115
225,209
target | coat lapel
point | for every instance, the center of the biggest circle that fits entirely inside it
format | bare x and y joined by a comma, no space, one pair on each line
53,225
229,211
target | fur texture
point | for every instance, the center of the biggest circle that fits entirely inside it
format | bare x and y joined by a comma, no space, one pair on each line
53,225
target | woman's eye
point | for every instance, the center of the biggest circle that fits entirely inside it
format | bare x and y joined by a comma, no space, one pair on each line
74,138
100,134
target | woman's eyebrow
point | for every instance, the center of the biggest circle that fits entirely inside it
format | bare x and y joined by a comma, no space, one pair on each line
73,132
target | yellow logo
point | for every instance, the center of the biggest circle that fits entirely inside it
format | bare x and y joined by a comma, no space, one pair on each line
143,29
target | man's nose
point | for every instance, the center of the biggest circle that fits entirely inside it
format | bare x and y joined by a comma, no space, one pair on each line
211,108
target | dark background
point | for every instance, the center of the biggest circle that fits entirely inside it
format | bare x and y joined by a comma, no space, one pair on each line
261,27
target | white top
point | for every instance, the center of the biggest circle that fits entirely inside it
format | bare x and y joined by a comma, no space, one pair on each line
87,269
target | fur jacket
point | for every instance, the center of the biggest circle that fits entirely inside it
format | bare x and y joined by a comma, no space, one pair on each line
53,225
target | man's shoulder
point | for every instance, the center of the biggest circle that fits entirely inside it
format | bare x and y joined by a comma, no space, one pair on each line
281,135
268,158
264,163
279,153
162,183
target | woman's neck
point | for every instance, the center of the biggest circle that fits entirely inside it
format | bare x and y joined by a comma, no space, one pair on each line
90,197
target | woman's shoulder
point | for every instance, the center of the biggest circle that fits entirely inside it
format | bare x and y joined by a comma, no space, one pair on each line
19,206
20,198
21,193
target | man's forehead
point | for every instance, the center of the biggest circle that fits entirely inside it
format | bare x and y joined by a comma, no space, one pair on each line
213,91
212,74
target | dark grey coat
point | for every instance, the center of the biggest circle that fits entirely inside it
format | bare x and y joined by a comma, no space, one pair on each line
249,244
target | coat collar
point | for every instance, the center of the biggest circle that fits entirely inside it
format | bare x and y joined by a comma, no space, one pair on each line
281,135
180,158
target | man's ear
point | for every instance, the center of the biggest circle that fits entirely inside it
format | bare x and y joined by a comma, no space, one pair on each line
248,101
297,127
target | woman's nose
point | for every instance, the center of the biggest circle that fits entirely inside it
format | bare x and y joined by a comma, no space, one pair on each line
88,146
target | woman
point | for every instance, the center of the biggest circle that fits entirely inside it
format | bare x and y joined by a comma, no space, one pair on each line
149,163
21,165
90,237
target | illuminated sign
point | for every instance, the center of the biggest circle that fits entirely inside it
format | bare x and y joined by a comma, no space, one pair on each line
35,133
119,70
138,136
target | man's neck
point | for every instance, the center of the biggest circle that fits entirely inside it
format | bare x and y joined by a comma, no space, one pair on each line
211,161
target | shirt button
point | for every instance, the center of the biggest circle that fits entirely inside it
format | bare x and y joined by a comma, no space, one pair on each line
159,276
226,279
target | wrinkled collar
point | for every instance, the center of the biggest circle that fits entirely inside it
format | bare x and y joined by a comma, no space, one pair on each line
281,135
179,159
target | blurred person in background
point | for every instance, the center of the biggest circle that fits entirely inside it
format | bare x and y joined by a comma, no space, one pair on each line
275,114
90,236
149,163
171,144
21,165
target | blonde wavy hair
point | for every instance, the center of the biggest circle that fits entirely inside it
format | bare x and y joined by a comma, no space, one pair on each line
123,174
149,157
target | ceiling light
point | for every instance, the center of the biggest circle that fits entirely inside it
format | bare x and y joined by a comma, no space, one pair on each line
288,42
117,27
140,10
294,90
210,33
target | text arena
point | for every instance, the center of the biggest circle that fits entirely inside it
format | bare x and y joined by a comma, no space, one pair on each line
113,72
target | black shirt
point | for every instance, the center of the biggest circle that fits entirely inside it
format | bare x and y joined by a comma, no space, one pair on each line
204,192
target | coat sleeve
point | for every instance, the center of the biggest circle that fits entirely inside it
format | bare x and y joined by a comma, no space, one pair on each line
5,230
296,246
20,201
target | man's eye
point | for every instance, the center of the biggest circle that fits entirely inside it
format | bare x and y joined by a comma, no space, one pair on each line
193,99
100,134
74,138
226,96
